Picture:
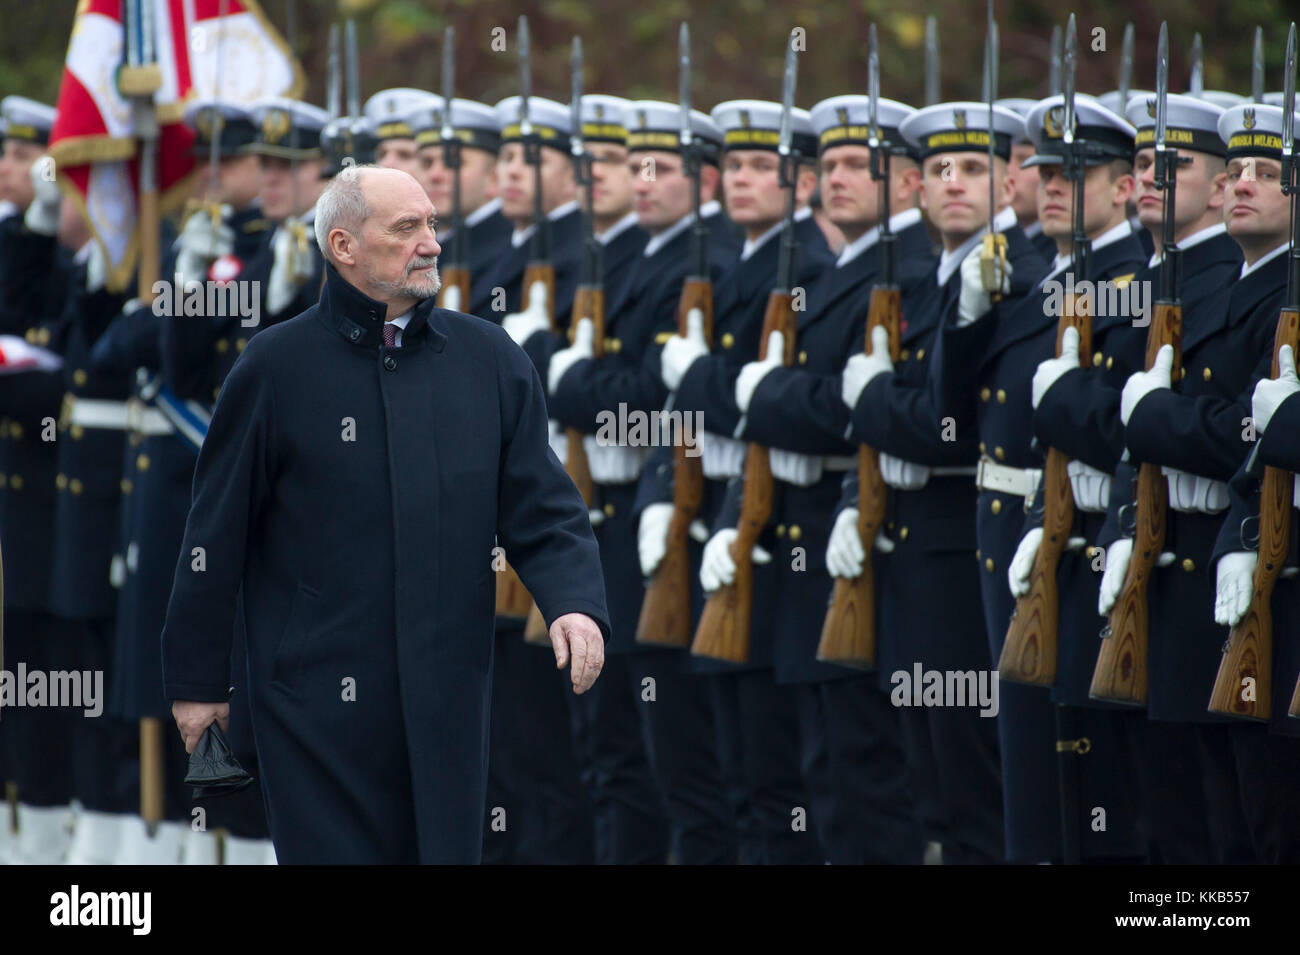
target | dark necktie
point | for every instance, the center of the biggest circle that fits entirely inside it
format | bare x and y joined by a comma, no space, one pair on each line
390,335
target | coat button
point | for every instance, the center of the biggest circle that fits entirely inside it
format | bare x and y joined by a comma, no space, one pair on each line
79,377
981,447
1182,373
996,506
142,463
920,353
902,533
796,532
999,453
985,394
609,510
136,439
241,344
30,335
780,530
977,553
1096,359
1002,397
390,363
216,392
16,482
60,481
1110,362
988,564
1206,373
905,354
77,432
803,358
222,346
728,340
126,485
616,345
1089,551
75,486
356,333
1188,564
15,430
44,336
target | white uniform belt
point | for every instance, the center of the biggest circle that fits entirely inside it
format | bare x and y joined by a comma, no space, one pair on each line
965,470
143,419
991,476
840,462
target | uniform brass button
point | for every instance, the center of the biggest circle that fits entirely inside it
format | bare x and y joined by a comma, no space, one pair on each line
390,363
728,339
30,335
222,346
136,439
999,453
977,553
60,481
609,510
902,533
996,506
1096,358
77,432
142,463
616,344
241,344
1206,373
981,447
1182,373
1188,564
16,482
803,358
1089,551
985,394
988,564
780,530
905,354
796,532
44,336
215,392
920,353
126,485
1110,362
79,377
15,429
75,486
890,525
1002,397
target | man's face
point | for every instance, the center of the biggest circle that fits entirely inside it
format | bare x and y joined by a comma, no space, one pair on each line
288,189
1198,188
1024,184
850,196
239,179
398,154
515,181
397,251
955,192
477,178
16,171
751,182
661,187
611,181
1101,196
1254,207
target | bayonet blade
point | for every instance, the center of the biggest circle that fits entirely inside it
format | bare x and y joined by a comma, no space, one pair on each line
1257,67
931,61
525,78
873,88
684,83
353,68
791,74
334,97
1288,94
575,103
1067,79
1162,84
1196,86
1054,59
1126,67
448,80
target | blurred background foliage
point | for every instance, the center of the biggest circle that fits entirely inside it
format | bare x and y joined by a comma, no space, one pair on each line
630,45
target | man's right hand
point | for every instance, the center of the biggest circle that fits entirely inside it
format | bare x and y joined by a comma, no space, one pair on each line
193,718
974,301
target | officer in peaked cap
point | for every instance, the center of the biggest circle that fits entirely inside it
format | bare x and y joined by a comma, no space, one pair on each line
474,126
388,110
1112,101
27,133
347,139
1025,181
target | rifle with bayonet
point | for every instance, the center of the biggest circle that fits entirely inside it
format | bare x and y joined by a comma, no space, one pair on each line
588,303
1120,675
353,65
453,264
1196,84
723,632
849,630
1248,654
1126,66
1031,647
666,610
1257,67
931,60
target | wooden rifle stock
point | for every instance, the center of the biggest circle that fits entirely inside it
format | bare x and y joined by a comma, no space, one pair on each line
723,632
1121,672
1032,643
849,630
588,302
454,277
1248,654
666,610
513,599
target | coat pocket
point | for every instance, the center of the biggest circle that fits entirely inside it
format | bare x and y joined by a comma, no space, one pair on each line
286,663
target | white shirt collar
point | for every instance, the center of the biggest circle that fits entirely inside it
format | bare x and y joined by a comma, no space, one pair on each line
753,245
617,229
897,223
520,236
1262,260
660,239
1106,238
7,209
949,262
1196,238
1033,230
482,212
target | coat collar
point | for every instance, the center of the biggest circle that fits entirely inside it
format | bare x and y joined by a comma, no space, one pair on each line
359,319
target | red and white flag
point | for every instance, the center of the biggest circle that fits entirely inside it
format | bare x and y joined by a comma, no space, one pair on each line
94,143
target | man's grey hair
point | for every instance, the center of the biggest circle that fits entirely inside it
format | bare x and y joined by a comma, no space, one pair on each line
341,206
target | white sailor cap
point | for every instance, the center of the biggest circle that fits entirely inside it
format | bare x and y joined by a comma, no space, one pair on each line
287,128
1274,99
473,123
962,127
388,109
231,123
756,124
846,120
604,118
549,119
655,126
1223,99
1190,123
1106,135
27,120
1252,129
344,138
1118,106
1020,105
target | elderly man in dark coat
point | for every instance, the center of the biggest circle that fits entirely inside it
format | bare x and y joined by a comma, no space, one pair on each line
369,465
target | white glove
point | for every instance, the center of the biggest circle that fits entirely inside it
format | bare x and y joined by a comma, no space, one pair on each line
566,358
1271,392
290,268
861,368
1049,371
844,554
1023,561
721,457
1118,555
974,303
1142,383
754,372
613,463
903,475
521,326
199,245
1090,487
1234,587
680,353
451,298
96,267
717,568
42,216
1192,493
801,470
652,536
